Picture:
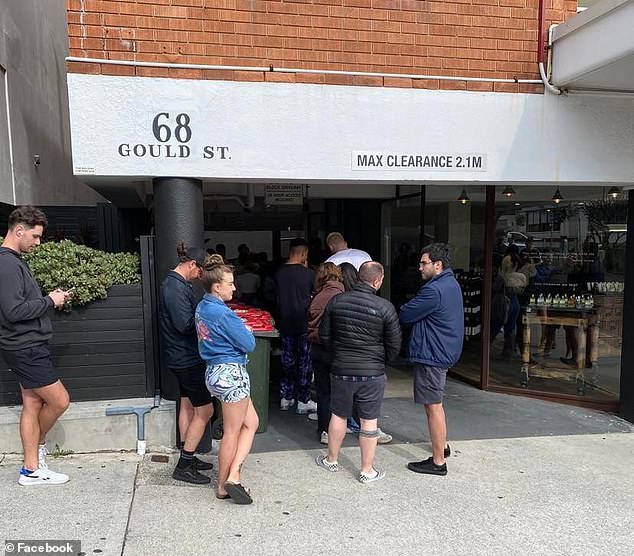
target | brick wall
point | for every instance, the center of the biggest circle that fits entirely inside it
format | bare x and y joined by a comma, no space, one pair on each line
467,38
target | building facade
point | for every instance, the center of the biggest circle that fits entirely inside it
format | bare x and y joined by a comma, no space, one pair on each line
398,122
35,151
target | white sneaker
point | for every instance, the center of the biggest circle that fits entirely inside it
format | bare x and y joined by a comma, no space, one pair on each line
324,438
309,407
42,452
285,405
41,476
384,438
312,417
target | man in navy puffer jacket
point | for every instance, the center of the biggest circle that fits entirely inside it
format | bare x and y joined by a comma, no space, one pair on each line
437,320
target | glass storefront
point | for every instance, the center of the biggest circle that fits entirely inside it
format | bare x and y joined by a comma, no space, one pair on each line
556,279
557,290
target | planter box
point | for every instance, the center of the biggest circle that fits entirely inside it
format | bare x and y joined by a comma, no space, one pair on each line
98,350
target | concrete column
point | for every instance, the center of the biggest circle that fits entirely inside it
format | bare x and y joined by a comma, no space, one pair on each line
459,233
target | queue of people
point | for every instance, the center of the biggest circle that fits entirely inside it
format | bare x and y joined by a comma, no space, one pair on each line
332,323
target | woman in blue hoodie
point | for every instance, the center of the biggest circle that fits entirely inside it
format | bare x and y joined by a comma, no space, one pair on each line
223,342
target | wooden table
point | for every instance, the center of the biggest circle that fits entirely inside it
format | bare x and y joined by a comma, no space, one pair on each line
586,324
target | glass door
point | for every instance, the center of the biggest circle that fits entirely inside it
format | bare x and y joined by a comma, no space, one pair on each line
449,217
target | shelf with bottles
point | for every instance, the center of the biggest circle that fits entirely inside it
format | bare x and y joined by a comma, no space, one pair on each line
471,286
558,302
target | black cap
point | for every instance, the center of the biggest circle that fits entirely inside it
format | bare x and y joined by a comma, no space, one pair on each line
197,254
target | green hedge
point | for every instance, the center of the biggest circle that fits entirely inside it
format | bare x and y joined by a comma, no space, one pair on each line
65,264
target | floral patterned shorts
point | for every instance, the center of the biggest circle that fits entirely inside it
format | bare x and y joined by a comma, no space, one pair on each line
229,382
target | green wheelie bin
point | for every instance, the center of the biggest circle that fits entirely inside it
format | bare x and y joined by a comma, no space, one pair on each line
258,368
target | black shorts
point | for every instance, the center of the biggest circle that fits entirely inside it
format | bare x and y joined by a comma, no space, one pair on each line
191,381
33,366
429,384
365,393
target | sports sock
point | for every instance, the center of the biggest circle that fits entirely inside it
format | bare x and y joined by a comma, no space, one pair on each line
186,459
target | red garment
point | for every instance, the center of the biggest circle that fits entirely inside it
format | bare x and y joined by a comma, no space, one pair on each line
318,306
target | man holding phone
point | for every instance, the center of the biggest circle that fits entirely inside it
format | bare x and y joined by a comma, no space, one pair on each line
25,331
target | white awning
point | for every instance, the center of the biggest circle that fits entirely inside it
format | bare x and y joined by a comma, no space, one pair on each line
595,49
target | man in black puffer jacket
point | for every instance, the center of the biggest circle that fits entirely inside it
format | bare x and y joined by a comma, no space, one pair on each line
362,333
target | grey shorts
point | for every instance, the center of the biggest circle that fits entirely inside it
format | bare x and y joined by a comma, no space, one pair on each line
429,384
229,382
365,393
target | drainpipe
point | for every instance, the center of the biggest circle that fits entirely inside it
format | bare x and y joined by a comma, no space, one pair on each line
140,412
541,50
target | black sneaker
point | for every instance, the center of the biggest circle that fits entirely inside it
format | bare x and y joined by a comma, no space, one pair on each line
447,451
190,475
201,465
427,466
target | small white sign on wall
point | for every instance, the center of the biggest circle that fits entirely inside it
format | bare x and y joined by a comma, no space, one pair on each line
282,194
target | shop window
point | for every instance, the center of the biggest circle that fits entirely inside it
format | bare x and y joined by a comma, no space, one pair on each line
557,301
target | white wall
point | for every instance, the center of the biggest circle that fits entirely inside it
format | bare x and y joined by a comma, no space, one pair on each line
313,133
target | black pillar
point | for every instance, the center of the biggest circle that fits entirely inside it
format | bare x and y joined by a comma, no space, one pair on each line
626,405
178,216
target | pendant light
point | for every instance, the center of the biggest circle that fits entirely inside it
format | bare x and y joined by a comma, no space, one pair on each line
614,192
464,198
508,191
557,197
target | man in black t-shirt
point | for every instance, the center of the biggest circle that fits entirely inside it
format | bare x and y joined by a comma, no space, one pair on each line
294,286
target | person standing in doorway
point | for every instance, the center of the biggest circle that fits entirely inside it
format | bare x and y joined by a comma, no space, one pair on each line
341,253
436,315
294,288
25,332
177,307
361,331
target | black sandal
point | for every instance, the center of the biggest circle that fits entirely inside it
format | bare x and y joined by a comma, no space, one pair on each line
238,493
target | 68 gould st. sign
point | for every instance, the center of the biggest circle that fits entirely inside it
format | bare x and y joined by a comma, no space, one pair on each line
172,134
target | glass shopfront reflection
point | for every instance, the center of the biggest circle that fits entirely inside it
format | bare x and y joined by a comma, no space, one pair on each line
557,291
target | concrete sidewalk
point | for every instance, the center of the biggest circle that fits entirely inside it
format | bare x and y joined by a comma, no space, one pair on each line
525,477
559,495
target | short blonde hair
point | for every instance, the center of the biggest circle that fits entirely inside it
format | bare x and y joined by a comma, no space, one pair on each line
335,239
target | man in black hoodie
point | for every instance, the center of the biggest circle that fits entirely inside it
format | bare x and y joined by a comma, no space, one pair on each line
25,331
